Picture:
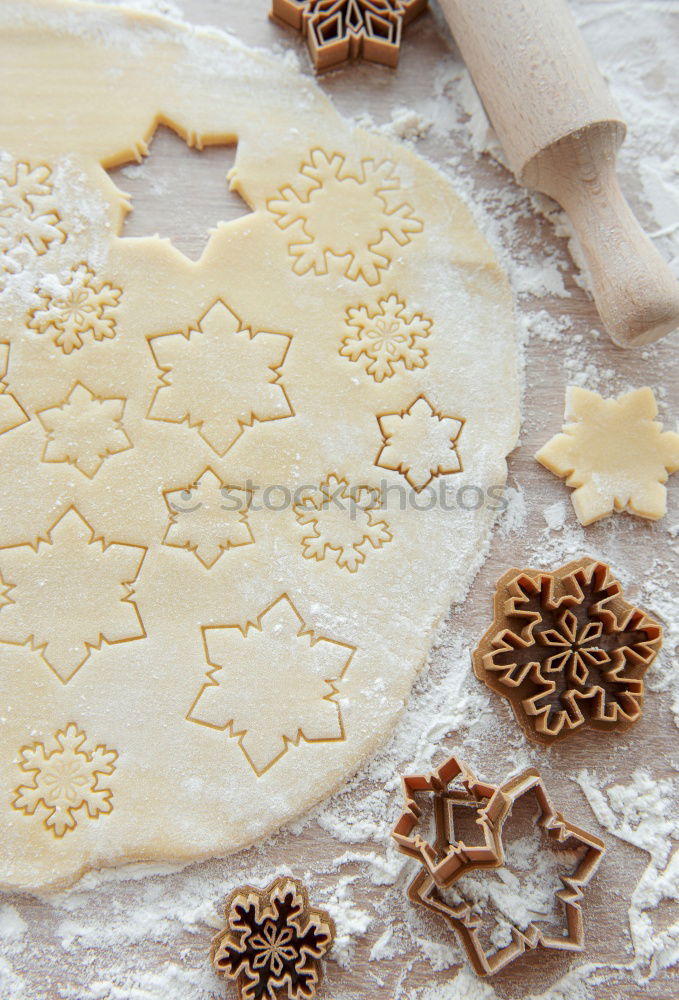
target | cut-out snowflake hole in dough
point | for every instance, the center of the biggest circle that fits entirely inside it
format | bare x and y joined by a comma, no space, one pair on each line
272,684
179,191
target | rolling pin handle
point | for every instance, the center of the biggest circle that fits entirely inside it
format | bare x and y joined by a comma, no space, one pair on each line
634,289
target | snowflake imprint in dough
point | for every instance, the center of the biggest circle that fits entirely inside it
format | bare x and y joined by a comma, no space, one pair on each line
614,453
355,213
220,377
272,684
29,220
12,414
84,430
387,336
208,517
65,780
420,443
68,593
343,522
82,305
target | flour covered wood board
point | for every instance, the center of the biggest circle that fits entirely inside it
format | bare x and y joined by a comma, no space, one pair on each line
241,492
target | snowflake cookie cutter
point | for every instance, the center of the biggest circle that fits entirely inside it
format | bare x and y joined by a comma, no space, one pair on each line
338,31
273,942
584,667
451,787
461,915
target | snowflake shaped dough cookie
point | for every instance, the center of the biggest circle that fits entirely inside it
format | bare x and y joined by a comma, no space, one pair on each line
354,213
68,593
220,377
273,943
343,521
614,454
386,336
420,443
276,661
65,780
84,304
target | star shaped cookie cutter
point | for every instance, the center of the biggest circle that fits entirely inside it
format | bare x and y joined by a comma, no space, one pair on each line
446,861
338,31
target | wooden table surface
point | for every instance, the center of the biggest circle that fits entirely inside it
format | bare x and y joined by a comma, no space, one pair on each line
170,917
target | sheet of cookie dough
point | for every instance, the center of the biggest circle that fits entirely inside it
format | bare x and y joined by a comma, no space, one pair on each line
238,494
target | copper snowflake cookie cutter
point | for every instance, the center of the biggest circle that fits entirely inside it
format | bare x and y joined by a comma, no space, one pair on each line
567,650
493,806
338,31
273,942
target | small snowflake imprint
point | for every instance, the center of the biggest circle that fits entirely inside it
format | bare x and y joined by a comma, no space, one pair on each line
386,336
354,212
272,684
342,521
220,377
29,220
82,304
208,517
84,430
420,443
65,780
273,942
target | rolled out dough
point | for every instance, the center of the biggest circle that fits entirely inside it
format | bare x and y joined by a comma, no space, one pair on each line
238,494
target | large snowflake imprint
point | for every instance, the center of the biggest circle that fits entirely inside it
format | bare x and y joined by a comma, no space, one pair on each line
29,220
342,522
220,377
207,518
65,780
387,336
84,430
420,443
272,684
355,213
614,453
83,304
68,593
12,414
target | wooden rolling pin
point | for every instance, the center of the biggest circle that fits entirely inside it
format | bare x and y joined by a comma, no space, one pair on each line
561,131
